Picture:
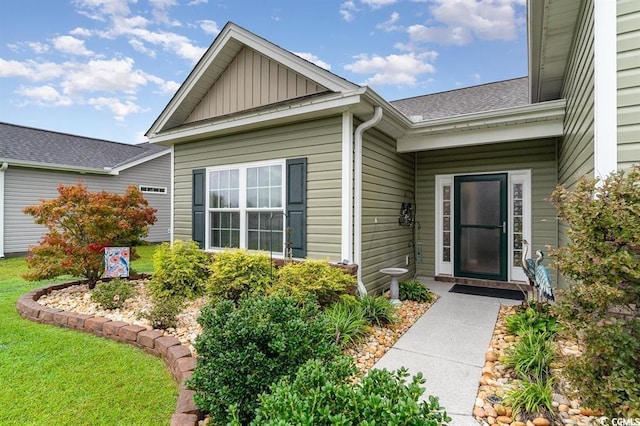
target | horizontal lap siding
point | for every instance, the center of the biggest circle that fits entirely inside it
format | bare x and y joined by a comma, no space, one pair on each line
628,83
539,156
576,154
25,187
319,141
386,175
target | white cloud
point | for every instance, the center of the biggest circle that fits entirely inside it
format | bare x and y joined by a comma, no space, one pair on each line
209,27
94,9
197,2
393,69
71,45
313,59
461,21
45,95
347,9
377,4
115,75
31,70
80,32
139,46
119,109
390,24
38,47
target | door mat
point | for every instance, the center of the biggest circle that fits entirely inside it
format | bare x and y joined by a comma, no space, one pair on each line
487,292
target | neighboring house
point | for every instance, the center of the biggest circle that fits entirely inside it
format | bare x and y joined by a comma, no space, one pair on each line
257,133
34,161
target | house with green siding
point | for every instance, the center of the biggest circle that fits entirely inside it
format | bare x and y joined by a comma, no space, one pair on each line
271,152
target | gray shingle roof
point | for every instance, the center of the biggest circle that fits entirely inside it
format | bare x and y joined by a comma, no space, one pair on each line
482,98
20,143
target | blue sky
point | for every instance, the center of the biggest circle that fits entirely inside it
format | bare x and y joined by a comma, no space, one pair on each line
107,68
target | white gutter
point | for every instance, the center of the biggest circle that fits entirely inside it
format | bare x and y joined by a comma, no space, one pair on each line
377,116
3,167
60,167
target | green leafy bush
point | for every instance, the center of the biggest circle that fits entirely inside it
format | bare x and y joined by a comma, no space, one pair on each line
601,262
316,278
377,309
347,323
529,320
112,294
180,269
243,350
164,312
531,356
531,396
415,290
236,273
324,394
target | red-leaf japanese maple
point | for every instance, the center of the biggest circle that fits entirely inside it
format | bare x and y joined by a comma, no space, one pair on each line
80,225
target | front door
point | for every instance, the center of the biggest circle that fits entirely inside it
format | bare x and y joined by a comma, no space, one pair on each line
480,226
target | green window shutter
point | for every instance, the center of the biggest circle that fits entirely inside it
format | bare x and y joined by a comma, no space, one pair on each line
198,206
297,205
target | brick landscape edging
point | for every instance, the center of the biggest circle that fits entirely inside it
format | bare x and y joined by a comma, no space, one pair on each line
178,358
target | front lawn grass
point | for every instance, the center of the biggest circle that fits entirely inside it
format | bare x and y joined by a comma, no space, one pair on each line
51,375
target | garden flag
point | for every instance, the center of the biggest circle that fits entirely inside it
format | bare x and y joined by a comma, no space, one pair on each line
116,261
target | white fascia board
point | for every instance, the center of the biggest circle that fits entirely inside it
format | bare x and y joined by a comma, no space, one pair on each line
482,136
541,120
117,170
338,104
58,167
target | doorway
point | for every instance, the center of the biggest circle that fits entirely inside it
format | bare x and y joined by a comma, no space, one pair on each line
480,226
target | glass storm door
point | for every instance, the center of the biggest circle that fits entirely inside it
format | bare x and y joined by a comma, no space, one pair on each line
480,226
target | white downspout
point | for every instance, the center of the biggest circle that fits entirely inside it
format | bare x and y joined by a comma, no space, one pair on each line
3,167
357,202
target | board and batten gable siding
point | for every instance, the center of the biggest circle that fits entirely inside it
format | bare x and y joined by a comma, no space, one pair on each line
252,80
539,156
26,186
628,69
576,154
320,141
386,175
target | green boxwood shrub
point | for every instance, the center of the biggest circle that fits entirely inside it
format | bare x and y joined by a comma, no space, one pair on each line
180,270
236,273
313,277
415,290
243,350
324,394
112,294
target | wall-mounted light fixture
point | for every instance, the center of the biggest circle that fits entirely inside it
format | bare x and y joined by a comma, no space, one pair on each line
406,218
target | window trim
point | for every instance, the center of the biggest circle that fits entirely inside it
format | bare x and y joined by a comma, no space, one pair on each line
242,202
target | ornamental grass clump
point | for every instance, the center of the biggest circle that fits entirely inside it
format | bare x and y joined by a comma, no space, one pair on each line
415,290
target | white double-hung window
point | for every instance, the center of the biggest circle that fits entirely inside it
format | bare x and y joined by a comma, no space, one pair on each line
246,206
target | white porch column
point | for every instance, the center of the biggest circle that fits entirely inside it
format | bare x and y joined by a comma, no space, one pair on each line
605,93
3,167
347,188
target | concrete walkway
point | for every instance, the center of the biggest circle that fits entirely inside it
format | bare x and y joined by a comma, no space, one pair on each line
447,344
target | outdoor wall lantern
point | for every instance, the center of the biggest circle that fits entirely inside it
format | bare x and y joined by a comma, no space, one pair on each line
406,218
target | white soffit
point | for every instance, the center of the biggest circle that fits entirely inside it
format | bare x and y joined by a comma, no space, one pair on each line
536,121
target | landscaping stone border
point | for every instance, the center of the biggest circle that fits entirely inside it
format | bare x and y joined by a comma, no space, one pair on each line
178,358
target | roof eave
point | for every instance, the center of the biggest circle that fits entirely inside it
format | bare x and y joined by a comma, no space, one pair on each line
58,167
309,108
542,120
